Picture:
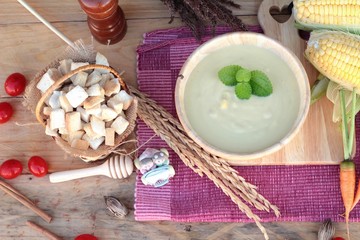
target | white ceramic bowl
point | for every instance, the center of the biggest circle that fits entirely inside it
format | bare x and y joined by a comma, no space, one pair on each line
233,40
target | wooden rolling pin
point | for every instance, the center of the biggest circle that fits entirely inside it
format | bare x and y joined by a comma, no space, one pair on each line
116,167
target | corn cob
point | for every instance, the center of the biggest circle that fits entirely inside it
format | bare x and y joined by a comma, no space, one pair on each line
328,14
336,55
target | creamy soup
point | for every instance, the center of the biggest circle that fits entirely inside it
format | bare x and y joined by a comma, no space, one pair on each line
241,126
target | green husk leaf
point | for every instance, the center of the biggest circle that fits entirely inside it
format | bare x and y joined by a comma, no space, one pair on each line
260,84
319,88
227,75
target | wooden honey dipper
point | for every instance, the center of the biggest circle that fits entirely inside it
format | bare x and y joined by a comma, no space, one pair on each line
116,167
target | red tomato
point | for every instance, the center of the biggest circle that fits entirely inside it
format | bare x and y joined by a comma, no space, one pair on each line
38,166
11,169
86,237
338,238
6,111
15,84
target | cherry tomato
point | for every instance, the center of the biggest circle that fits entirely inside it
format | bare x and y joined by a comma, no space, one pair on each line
15,84
6,111
86,237
338,238
38,166
11,169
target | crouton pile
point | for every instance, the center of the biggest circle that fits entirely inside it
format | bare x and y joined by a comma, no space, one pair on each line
88,110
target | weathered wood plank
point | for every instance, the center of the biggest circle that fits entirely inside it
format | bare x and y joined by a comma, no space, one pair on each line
77,209
36,46
69,10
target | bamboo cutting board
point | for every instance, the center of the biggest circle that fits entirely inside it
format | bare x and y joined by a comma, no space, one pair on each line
319,141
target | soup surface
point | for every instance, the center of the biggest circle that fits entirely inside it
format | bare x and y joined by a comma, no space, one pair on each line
241,126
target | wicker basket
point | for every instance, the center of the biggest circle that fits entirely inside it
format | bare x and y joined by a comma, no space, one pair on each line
32,95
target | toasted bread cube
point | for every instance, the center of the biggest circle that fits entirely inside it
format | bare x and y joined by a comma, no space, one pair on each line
108,114
76,135
80,144
80,79
115,104
63,131
94,111
48,130
48,79
91,102
104,78
85,116
64,104
97,125
120,124
75,65
112,87
101,59
125,98
90,132
73,121
47,111
95,90
122,113
65,66
57,119
76,96
110,137
94,143
93,78
54,100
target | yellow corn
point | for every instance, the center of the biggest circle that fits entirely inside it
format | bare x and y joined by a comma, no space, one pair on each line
334,15
336,55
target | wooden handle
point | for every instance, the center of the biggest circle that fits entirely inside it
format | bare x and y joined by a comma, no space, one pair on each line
78,173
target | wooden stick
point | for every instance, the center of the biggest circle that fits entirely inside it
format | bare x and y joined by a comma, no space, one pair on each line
43,231
46,23
24,200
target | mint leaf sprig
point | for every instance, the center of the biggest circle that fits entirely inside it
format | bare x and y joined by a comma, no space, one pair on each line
246,82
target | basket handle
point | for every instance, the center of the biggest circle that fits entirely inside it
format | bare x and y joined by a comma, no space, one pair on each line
61,80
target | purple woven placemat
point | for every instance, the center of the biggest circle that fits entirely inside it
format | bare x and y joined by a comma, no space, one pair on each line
302,193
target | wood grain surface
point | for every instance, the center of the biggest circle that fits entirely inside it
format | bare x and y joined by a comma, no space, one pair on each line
78,206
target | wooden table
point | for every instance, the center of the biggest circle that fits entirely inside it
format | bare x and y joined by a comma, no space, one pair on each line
78,206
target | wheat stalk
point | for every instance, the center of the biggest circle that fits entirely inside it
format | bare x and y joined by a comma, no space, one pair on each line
230,176
216,169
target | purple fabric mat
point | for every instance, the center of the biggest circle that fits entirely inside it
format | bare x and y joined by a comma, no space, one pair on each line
302,193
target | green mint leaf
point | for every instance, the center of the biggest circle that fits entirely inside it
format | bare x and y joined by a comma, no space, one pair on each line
243,75
260,84
243,90
227,75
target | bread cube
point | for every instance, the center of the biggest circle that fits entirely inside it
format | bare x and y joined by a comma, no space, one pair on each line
65,66
91,102
76,96
97,125
63,131
75,65
94,143
101,59
80,79
73,121
48,79
94,111
76,135
54,101
105,77
64,104
85,116
90,132
120,124
57,119
93,78
49,131
95,90
47,111
115,104
108,114
110,137
112,87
